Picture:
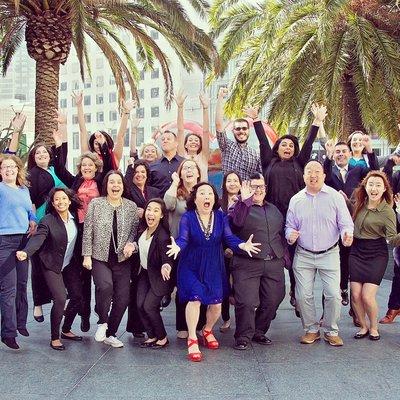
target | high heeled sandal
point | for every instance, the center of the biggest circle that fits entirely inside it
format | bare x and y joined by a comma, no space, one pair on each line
196,356
212,344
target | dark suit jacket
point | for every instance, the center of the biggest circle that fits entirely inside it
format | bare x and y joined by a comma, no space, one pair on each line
156,258
41,182
50,240
354,175
150,192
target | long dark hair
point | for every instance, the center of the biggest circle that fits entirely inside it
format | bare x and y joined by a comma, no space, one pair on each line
190,203
109,141
198,136
182,192
75,205
125,191
31,156
164,220
290,137
361,195
224,198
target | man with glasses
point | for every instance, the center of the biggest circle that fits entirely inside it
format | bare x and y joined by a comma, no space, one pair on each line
258,282
236,154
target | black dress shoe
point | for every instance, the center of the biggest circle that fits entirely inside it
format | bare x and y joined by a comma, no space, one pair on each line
138,335
360,335
23,332
75,338
38,318
241,345
345,297
147,345
10,342
373,337
54,347
160,346
85,324
262,340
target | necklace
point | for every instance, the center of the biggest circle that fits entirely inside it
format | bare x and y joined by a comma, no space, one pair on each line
206,230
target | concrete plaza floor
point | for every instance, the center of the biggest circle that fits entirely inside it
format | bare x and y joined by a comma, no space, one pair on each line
361,369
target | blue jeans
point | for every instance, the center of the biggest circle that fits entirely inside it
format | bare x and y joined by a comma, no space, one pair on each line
13,285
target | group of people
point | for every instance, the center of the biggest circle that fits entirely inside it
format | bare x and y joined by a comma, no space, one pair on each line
162,225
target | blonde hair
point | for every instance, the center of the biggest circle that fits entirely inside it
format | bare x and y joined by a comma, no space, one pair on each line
21,175
91,156
144,145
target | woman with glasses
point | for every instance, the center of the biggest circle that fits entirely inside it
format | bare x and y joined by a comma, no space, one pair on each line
17,218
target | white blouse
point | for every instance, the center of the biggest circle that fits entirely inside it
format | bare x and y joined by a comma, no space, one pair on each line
144,245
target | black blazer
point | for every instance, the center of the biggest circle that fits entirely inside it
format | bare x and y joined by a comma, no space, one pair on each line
156,258
51,241
150,192
354,175
75,181
41,182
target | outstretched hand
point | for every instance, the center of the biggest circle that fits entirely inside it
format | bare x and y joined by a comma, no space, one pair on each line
319,112
174,249
78,97
180,98
18,122
251,112
249,247
246,190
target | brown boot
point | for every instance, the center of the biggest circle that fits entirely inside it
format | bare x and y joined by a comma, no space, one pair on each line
390,316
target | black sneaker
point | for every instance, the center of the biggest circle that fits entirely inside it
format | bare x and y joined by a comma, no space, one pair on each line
10,342
23,332
345,297
241,345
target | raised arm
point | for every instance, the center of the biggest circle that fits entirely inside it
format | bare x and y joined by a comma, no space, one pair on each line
133,151
372,158
239,212
171,193
17,123
266,154
328,162
180,104
83,134
205,104
219,119
126,108
319,113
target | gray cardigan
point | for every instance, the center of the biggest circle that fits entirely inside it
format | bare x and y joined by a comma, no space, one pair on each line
98,227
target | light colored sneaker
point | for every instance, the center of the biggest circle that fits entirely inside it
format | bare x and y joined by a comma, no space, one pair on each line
100,334
310,337
113,342
333,340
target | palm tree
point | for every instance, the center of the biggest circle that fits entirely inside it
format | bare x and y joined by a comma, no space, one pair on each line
49,27
295,52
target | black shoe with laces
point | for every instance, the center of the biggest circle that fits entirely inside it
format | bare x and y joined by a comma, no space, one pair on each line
241,345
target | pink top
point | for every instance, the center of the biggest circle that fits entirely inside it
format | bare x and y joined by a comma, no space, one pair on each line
86,192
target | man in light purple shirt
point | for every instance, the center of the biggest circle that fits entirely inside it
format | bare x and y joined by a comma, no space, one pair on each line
317,216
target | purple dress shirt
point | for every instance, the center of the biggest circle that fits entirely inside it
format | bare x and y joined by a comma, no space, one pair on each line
319,218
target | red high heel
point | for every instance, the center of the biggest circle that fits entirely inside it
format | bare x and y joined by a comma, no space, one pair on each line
212,344
197,356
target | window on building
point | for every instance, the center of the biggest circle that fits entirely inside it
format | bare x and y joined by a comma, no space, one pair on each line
112,116
155,92
75,140
87,100
100,116
87,85
154,35
112,97
112,80
141,77
140,93
155,73
63,86
140,136
155,112
63,103
113,134
100,81
140,112
75,85
74,119
99,99
88,118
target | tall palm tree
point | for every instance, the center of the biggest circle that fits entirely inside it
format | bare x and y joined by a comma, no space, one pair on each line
295,52
49,27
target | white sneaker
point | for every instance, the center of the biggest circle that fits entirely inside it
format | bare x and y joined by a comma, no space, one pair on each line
100,334
113,342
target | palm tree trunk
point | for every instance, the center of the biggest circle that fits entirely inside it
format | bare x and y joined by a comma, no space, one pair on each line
46,100
351,112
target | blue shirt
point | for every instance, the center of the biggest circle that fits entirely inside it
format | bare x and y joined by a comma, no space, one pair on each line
16,209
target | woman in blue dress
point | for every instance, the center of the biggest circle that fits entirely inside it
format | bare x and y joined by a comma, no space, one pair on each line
201,270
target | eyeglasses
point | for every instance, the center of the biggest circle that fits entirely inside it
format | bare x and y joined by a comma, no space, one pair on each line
241,128
260,187
9,167
188,168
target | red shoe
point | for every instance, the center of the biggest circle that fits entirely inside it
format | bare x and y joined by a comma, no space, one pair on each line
197,356
212,344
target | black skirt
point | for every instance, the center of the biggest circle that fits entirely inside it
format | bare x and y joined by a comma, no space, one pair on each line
368,260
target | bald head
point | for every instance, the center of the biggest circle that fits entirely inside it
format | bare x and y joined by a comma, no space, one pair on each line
314,176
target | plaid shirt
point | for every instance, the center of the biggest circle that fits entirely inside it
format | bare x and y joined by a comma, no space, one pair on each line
244,160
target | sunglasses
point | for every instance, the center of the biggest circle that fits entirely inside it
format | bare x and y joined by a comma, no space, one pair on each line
241,128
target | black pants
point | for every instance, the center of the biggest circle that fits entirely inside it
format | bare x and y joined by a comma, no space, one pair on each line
181,317
292,250
86,282
112,283
148,304
344,253
394,298
134,323
40,291
260,285
225,302
59,284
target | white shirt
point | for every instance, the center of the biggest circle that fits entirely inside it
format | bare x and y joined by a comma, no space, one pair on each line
72,233
144,245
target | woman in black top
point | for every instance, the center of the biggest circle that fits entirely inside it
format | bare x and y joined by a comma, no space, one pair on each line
154,271
55,242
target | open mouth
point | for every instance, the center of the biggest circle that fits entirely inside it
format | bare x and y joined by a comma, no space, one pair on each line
115,191
207,204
